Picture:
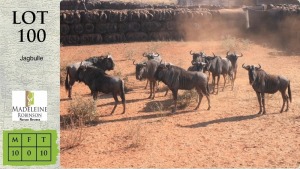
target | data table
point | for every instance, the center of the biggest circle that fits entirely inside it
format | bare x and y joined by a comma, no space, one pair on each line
30,148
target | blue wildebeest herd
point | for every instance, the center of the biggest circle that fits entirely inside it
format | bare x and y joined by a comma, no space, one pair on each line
92,73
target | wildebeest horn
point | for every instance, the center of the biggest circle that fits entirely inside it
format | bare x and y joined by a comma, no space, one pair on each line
227,53
245,67
240,55
191,52
144,54
213,54
133,62
259,66
168,65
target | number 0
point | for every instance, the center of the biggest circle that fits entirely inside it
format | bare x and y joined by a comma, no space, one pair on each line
44,35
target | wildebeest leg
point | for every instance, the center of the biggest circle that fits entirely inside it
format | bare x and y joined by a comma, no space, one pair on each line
167,92
208,76
175,100
218,84
71,83
151,89
284,99
199,100
259,101
208,100
234,75
146,84
213,83
116,103
263,102
70,92
124,105
95,94
287,102
157,88
224,76
232,82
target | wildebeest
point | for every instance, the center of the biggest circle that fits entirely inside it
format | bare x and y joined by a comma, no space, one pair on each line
102,62
146,70
214,65
227,71
233,59
150,56
263,82
177,78
197,57
217,66
98,81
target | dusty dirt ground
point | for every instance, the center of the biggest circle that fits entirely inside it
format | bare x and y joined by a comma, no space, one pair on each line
228,135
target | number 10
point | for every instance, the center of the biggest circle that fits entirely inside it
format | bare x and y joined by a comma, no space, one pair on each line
44,153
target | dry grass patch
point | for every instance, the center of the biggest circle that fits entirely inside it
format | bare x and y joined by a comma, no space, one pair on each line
80,113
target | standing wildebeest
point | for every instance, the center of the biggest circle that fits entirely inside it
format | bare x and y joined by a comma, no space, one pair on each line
177,78
102,62
197,57
227,71
233,59
150,56
99,81
214,65
217,66
146,70
263,82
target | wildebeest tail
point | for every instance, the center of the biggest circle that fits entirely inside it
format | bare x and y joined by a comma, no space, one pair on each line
290,92
67,86
122,94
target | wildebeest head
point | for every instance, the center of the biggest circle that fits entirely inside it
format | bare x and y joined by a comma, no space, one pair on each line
103,62
197,57
233,57
252,72
80,72
198,66
151,55
209,60
139,70
109,63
